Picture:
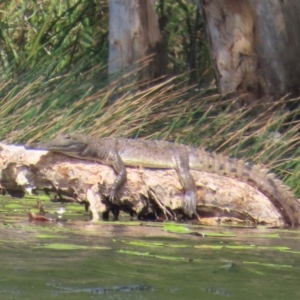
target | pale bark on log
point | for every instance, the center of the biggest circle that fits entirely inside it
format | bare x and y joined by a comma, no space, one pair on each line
255,45
146,190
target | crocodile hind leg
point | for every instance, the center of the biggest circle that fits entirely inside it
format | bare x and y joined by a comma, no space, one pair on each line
187,181
113,158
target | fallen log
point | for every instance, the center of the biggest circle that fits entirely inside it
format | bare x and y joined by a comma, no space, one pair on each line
147,191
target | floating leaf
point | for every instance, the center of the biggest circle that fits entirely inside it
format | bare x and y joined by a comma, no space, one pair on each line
267,264
216,247
56,246
152,244
133,252
217,234
176,228
48,236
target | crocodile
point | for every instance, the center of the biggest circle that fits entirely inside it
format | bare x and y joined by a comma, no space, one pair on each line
122,152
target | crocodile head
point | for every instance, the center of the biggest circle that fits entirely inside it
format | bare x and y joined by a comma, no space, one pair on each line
71,144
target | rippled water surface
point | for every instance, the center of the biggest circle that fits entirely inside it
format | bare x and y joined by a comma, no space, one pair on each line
78,260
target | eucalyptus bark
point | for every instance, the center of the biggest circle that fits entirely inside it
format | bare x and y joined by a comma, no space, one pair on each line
134,35
254,45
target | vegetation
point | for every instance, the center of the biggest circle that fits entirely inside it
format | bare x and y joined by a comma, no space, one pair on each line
53,60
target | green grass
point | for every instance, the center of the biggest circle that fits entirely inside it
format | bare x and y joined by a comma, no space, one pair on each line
172,110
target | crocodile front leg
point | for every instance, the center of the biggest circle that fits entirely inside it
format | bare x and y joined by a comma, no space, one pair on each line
108,154
121,172
189,204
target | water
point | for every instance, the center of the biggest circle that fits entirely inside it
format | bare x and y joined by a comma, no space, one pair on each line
78,260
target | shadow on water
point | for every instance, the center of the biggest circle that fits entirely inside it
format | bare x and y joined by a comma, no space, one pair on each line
78,260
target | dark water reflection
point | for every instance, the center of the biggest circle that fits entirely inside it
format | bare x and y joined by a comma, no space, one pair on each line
77,260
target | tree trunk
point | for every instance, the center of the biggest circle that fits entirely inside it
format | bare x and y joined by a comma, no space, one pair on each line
134,34
255,45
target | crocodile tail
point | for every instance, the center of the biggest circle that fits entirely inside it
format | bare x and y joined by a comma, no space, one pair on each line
255,175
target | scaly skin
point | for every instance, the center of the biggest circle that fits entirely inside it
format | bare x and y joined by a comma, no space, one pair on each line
121,152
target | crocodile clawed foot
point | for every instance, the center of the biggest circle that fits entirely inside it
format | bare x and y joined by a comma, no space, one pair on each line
113,197
190,203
